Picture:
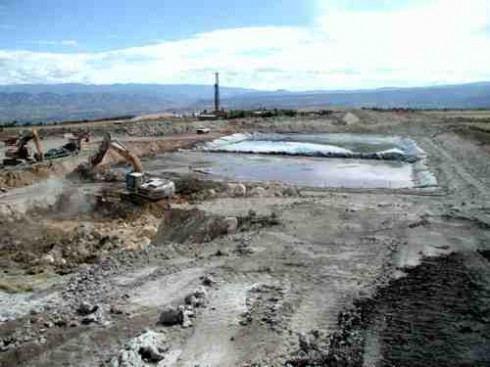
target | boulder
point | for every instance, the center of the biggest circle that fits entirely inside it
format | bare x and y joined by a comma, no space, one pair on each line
236,190
146,348
258,192
197,298
86,308
349,118
231,224
170,316
208,280
48,259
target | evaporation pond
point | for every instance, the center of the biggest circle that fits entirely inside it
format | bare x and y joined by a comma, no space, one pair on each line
297,170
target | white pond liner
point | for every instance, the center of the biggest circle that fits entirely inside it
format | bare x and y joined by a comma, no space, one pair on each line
322,145
351,147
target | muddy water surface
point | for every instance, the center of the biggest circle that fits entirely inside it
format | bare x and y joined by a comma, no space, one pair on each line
305,171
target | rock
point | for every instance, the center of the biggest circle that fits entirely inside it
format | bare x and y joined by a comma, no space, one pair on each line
208,280
258,192
128,358
48,324
116,310
47,259
198,298
148,347
290,191
170,316
73,323
186,321
349,118
231,224
86,308
145,242
304,342
90,319
221,253
236,190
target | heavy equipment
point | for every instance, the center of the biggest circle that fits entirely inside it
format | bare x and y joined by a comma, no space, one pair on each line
139,185
73,146
17,151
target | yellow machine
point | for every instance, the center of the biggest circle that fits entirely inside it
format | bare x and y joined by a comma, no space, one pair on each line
138,183
17,151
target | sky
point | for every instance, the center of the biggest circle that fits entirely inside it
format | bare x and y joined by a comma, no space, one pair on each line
261,44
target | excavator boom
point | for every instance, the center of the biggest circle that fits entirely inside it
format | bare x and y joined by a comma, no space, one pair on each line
37,142
124,152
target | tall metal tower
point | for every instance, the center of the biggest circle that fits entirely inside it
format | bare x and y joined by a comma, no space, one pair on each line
216,94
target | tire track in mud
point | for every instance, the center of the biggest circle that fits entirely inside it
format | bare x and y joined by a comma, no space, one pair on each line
458,169
331,285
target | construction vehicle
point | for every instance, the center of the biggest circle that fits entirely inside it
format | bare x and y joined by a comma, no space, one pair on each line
17,151
73,146
139,185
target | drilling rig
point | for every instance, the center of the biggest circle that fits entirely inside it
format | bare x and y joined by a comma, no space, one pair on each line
217,113
216,95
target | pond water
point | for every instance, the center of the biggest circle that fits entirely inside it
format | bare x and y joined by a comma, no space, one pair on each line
325,160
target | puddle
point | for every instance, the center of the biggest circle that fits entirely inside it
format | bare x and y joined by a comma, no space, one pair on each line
323,161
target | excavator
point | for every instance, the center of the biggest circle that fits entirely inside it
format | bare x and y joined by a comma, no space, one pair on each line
139,185
73,146
17,151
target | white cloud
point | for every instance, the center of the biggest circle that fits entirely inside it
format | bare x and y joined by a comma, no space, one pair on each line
430,42
70,43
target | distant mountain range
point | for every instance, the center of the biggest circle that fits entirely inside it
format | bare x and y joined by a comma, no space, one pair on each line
61,102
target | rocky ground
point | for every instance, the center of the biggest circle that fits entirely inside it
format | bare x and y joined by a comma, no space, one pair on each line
258,274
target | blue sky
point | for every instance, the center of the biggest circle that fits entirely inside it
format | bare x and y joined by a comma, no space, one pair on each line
102,25
265,44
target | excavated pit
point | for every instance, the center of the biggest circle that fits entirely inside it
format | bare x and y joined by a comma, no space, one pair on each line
321,161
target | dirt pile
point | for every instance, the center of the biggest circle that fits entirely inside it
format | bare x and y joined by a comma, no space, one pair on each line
197,226
435,315
75,230
12,179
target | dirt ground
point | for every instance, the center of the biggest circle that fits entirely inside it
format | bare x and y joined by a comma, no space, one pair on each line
255,274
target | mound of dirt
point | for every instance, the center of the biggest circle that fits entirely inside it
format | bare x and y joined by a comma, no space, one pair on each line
12,179
197,226
437,315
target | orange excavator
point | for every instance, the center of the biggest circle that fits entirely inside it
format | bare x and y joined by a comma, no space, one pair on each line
17,150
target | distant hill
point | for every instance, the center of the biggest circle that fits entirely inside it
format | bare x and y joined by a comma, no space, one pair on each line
464,96
61,102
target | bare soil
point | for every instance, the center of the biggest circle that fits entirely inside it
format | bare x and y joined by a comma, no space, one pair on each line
292,277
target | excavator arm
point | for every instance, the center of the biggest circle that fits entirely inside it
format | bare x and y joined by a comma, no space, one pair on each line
37,142
124,152
119,148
